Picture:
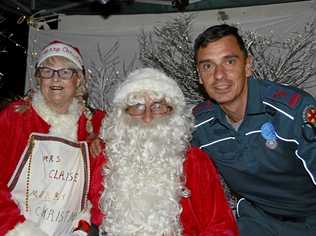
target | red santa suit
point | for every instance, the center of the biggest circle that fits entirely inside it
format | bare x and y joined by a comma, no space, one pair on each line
205,211
17,122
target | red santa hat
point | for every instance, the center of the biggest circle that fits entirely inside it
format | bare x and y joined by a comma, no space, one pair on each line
149,79
58,48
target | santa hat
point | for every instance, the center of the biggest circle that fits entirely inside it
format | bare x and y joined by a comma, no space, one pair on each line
58,48
148,79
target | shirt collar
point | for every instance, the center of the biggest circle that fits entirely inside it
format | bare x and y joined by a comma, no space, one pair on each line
254,101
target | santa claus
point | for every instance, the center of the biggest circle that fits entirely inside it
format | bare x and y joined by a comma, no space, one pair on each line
155,183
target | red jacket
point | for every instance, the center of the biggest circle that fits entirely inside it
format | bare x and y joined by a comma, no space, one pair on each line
206,211
15,128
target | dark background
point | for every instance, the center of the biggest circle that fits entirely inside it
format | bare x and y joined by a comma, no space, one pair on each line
13,43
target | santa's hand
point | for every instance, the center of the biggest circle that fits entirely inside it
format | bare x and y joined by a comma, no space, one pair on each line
95,146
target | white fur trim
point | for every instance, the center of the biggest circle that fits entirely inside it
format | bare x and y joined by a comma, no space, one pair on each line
148,79
27,228
61,49
62,125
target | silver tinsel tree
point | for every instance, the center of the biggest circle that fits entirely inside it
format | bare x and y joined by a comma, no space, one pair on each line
289,61
102,77
105,76
169,48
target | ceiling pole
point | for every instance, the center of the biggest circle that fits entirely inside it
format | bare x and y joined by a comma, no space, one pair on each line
33,5
57,9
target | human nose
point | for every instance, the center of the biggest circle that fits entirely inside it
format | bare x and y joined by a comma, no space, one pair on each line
55,76
147,117
219,72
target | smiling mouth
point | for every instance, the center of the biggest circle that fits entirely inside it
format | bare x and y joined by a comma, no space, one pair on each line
222,87
56,88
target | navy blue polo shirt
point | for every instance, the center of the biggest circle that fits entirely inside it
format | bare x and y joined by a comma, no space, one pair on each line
279,180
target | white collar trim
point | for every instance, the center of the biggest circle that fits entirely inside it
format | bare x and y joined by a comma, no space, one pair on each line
62,125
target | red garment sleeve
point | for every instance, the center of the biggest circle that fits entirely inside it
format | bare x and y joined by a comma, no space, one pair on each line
96,189
96,178
9,212
206,211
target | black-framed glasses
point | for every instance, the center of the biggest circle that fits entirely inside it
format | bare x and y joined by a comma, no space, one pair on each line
48,73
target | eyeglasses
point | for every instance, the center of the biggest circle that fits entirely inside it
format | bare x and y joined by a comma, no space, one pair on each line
156,108
48,73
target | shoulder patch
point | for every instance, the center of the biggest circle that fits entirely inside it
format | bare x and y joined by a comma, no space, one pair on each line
309,115
201,107
284,95
308,127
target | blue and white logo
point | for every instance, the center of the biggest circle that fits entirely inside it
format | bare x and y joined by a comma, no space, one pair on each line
269,134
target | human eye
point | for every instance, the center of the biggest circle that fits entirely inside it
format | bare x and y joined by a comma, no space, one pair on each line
65,73
46,72
136,109
139,106
156,107
207,66
230,61
159,108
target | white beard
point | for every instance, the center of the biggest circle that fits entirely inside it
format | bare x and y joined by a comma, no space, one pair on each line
143,181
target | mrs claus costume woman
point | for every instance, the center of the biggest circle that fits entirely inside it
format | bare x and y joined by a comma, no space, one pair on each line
49,184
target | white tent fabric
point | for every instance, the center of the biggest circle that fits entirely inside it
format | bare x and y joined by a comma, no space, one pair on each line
90,32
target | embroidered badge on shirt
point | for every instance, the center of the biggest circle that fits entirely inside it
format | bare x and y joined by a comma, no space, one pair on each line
309,115
283,94
269,134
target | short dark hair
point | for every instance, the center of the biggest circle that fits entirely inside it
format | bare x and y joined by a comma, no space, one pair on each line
215,33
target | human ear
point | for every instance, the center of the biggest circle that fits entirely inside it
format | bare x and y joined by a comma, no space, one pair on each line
248,68
78,78
199,75
38,81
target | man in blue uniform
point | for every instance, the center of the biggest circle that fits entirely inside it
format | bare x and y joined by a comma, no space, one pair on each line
261,135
